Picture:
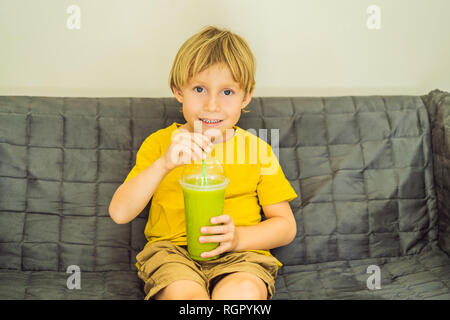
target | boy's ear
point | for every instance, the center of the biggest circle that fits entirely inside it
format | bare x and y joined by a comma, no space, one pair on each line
178,94
247,99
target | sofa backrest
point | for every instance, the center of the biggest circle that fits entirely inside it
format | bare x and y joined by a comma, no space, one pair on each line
360,165
363,169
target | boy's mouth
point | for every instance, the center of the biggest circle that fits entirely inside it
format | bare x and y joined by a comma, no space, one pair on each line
211,122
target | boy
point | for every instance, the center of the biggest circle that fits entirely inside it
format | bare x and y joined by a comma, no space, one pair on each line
213,78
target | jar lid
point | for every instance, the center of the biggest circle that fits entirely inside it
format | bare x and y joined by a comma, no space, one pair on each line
213,179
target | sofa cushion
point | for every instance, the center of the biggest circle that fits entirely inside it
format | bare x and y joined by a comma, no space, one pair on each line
422,276
40,285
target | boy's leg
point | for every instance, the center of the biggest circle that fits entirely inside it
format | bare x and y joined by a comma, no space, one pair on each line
169,273
241,275
240,286
183,290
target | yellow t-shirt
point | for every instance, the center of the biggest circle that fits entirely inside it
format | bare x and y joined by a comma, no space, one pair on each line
256,180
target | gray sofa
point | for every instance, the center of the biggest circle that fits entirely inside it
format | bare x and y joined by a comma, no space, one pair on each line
372,174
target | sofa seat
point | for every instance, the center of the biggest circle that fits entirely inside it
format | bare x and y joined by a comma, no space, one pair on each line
52,285
421,276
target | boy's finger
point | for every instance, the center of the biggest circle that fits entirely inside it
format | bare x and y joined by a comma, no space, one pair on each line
214,229
209,239
216,238
192,150
220,249
221,219
175,153
202,140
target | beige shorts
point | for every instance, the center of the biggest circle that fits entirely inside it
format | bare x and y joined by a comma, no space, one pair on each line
162,262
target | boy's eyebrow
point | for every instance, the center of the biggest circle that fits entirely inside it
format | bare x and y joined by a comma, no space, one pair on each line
225,85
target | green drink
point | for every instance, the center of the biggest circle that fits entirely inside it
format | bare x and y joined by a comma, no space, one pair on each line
202,201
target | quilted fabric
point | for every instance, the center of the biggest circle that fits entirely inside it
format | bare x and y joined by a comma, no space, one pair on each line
419,276
363,167
32,285
438,105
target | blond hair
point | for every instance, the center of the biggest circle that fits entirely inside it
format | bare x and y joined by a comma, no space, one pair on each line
209,46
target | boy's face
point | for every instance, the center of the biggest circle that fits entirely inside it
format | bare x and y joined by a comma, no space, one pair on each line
214,95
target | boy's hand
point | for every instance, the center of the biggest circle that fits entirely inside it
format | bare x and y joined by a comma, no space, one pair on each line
224,234
185,147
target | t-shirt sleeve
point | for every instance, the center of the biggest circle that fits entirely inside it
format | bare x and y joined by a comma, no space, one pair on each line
273,187
149,151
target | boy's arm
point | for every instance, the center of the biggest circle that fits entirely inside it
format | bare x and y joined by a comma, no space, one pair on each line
277,230
132,196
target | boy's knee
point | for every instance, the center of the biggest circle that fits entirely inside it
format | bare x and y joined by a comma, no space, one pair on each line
240,287
249,290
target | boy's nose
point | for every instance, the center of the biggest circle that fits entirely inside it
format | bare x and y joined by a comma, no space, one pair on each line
212,105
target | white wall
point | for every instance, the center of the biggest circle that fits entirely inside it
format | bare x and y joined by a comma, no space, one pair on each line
311,47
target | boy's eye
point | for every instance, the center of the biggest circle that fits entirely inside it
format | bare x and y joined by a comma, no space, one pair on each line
200,90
